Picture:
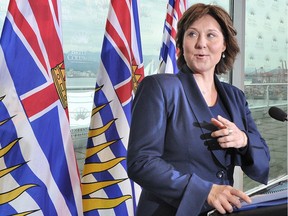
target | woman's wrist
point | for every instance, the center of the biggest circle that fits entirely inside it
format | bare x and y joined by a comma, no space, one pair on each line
245,139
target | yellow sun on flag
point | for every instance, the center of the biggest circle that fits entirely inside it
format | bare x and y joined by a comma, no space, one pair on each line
8,196
97,203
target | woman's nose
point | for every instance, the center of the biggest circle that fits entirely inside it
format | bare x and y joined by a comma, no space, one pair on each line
201,42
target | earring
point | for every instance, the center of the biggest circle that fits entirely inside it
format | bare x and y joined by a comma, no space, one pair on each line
223,55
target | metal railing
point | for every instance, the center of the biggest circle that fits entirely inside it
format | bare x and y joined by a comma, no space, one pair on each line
266,94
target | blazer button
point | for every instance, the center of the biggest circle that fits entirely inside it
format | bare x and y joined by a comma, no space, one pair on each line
220,174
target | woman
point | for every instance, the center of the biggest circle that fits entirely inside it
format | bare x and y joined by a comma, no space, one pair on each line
190,130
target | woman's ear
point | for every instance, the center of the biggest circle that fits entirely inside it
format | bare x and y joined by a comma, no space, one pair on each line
224,47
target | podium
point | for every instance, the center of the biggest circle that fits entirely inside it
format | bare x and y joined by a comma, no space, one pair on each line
277,210
272,200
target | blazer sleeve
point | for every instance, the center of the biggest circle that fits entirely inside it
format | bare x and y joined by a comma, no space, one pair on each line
254,161
184,191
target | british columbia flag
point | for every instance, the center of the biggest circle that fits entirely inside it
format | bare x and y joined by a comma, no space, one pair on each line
105,185
168,52
38,169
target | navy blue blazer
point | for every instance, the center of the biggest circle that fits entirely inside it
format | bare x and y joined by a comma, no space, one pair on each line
171,154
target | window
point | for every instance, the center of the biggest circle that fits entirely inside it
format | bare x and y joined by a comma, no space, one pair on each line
265,83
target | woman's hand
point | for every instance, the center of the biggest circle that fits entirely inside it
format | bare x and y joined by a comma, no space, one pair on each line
224,197
228,135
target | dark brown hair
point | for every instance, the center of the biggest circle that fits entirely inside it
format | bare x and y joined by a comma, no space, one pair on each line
194,13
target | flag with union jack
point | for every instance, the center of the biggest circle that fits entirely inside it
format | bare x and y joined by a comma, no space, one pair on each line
38,169
106,188
168,52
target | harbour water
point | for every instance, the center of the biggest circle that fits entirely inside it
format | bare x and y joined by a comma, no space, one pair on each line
77,82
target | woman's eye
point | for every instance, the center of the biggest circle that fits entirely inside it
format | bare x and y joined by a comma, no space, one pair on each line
211,35
192,34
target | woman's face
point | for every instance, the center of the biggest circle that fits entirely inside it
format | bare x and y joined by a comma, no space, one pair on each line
203,44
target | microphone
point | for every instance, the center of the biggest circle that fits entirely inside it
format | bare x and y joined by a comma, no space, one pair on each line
277,114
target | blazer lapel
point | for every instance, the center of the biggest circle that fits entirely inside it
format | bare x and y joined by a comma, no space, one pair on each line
202,114
230,104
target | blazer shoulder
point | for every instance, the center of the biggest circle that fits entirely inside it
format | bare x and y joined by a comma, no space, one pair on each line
164,80
161,77
232,89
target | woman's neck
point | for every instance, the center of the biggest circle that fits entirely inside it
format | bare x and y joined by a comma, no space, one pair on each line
207,88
